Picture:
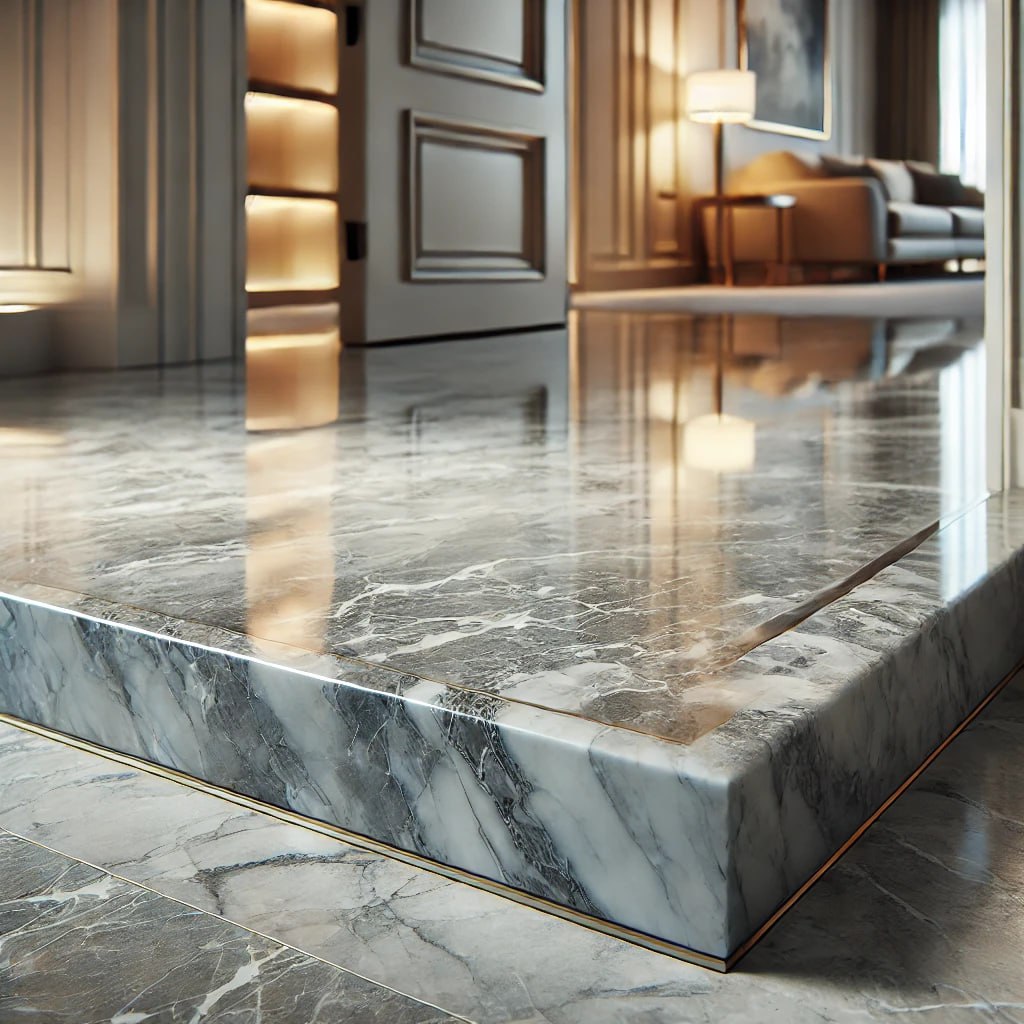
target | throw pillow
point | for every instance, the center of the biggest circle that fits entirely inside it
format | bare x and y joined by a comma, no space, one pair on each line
934,189
895,179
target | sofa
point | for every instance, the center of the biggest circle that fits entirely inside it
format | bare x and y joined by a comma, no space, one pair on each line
855,213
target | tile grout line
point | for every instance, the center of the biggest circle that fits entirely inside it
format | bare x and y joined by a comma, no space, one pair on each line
227,920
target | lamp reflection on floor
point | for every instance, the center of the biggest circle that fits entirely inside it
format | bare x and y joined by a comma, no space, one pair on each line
717,442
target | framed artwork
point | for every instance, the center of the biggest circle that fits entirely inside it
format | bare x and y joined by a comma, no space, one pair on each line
786,43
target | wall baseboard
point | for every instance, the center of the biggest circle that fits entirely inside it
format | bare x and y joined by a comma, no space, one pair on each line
628,278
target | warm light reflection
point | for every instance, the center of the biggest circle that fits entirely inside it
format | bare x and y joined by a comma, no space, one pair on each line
291,143
292,380
666,400
289,567
25,437
719,443
292,44
292,244
16,307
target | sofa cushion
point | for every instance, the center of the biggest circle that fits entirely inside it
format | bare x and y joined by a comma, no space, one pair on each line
915,220
925,250
972,196
968,221
895,178
846,166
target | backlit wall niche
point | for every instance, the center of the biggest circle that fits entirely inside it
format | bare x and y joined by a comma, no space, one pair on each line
292,231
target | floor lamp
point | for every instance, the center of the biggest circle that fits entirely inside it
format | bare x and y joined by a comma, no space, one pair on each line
721,97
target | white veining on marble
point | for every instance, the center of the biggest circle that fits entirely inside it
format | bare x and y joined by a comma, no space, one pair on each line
79,944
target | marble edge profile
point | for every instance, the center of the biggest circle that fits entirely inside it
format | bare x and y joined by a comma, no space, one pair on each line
339,670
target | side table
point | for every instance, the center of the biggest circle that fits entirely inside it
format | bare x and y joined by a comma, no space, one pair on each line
725,208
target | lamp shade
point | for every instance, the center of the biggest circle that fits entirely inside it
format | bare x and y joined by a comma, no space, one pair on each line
725,96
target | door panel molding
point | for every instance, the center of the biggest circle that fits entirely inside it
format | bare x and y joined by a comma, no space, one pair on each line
435,43
454,163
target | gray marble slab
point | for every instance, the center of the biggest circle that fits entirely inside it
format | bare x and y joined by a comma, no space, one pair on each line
77,944
693,843
687,806
514,515
921,920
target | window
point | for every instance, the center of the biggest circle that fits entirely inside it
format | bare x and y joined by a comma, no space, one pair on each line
962,90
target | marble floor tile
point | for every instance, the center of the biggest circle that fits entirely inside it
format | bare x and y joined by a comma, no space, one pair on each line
77,944
921,920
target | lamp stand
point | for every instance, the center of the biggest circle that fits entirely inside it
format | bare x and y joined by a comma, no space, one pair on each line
719,158
719,187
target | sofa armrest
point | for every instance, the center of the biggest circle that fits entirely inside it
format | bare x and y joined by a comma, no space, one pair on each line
835,220
839,220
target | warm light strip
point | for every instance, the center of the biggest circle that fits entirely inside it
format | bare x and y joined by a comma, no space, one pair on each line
290,105
275,342
16,307
292,244
267,205
292,44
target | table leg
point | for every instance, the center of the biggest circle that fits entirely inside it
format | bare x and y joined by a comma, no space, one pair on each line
730,261
781,275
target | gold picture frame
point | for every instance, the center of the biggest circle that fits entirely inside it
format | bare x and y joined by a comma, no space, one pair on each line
821,129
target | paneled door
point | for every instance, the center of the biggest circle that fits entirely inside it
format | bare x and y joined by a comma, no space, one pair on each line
453,167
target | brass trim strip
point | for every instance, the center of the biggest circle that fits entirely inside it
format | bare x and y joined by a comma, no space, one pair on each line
371,845
754,939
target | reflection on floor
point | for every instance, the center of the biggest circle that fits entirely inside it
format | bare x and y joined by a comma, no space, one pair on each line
532,607
596,550
947,295
921,919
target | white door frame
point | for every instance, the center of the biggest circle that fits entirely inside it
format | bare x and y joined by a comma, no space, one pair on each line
1002,227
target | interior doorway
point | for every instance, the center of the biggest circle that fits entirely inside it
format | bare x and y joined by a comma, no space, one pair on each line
640,162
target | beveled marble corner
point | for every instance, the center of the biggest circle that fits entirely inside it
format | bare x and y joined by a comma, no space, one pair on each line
549,805
694,845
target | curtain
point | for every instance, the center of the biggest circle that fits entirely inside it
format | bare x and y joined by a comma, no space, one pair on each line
962,90
907,98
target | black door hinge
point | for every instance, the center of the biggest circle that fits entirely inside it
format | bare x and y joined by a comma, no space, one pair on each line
355,240
353,24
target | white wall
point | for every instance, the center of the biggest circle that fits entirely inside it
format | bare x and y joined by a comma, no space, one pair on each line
639,161
120,188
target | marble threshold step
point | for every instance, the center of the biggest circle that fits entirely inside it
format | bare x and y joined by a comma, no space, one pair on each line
690,848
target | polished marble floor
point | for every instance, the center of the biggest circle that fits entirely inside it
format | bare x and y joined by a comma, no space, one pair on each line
640,620
549,518
921,920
